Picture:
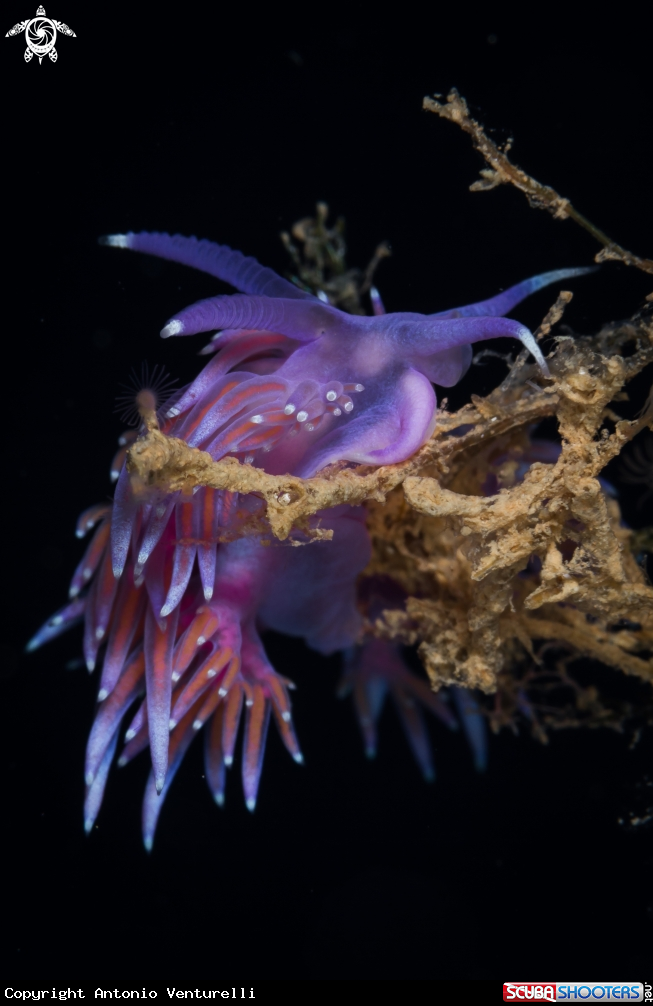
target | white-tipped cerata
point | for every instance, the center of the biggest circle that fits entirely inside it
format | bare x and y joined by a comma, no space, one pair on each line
174,327
117,240
528,340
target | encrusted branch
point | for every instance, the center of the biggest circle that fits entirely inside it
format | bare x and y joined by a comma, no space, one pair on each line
502,171
501,557
459,529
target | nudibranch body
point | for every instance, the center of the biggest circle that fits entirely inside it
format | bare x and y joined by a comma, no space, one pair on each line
173,606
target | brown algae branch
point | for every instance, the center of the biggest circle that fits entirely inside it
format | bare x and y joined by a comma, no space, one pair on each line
503,171
157,461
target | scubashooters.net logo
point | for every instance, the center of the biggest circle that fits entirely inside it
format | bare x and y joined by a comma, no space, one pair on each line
574,992
40,35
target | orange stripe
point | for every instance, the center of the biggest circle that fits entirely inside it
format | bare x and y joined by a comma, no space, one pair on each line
233,709
199,682
123,623
209,405
256,713
208,514
241,397
204,624
260,438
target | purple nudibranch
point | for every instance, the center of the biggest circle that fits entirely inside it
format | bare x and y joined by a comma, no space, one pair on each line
173,610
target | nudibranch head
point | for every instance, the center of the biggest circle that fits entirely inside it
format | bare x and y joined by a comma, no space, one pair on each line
311,412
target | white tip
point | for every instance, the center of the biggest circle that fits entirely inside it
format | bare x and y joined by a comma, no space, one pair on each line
117,240
176,675
228,760
80,534
331,396
289,409
172,724
309,427
250,803
286,716
90,665
174,327
148,843
88,824
337,412
302,416
359,387
208,593
528,340
102,694
201,640
211,673
299,758
249,703
165,610
114,475
122,761
219,799
99,632
257,419
88,778
57,620
222,692
130,734
197,725
325,300
88,573
172,412
73,592
349,406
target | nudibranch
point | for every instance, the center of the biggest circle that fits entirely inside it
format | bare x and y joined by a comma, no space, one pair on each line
173,601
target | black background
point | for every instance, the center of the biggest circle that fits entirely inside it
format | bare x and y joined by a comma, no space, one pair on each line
230,125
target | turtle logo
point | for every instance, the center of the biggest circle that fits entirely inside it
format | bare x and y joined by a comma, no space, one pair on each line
40,35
